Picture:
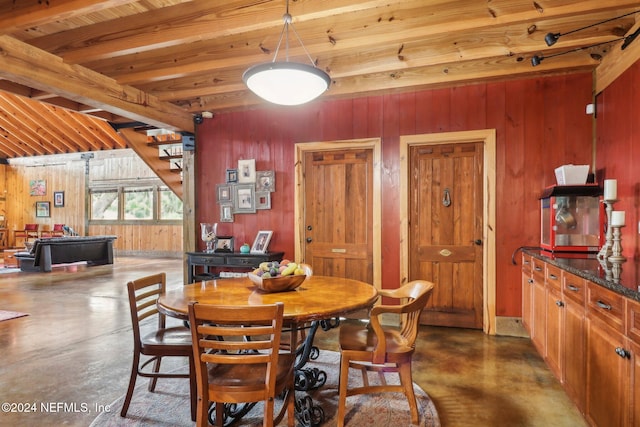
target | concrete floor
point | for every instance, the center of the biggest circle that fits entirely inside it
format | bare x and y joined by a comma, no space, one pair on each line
72,355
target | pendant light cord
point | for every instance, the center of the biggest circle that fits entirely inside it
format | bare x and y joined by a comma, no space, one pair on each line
288,22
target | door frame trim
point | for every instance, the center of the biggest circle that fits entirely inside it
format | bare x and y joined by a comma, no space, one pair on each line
488,138
375,144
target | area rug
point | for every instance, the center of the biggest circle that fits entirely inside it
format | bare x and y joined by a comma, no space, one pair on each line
169,404
8,315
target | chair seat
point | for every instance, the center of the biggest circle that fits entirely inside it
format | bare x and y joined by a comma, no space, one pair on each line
174,337
358,337
248,376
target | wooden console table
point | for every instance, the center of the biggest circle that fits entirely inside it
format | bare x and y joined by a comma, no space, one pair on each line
232,260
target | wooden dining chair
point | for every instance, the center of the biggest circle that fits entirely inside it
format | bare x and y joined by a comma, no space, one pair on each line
161,341
56,231
381,348
237,360
30,231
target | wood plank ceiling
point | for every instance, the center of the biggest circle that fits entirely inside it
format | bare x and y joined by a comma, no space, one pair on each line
70,67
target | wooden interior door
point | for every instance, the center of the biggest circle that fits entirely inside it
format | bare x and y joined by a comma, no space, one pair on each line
445,230
338,212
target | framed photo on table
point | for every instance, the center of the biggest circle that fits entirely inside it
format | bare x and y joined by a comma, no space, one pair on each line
223,244
43,209
261,243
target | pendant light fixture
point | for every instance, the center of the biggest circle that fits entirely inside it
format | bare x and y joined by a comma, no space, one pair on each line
284,82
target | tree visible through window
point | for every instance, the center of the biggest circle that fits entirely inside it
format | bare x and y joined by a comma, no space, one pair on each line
139,203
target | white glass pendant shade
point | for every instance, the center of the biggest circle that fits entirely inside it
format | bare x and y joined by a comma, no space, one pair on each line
286,83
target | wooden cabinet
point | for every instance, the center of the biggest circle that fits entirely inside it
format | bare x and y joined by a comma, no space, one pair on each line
633,333
527,293
590,338
608,359
574,338
608,372
555,319
200,265
539,308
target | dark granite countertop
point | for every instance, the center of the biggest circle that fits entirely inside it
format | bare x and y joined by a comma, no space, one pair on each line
625,282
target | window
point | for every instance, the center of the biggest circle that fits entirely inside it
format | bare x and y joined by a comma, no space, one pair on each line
135,203
104,204
170,204
138,203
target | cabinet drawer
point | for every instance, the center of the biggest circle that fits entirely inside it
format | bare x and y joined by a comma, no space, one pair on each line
553,277
574,287
526,263
245,261
606,305
206,260
537,267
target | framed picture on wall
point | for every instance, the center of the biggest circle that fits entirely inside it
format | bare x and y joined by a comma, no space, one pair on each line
247,171
244,198
226,212
43,209
223,193
265,181
263,200
58,199
37,187
232,175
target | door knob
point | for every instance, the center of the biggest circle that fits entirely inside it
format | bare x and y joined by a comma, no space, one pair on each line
478,242
309,239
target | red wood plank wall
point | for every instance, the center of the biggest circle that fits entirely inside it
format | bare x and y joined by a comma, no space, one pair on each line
618,156
541,124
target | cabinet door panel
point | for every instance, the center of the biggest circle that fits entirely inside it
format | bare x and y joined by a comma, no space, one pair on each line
574,345
607,376
539,307
555,313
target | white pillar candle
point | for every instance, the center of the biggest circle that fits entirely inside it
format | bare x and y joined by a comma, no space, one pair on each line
610,189
617,218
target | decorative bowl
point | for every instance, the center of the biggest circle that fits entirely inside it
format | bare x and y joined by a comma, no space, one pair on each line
277,284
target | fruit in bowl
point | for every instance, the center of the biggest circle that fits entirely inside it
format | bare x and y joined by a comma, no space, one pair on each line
280,276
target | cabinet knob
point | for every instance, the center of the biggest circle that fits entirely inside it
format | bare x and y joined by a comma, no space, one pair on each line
625,354
573,288
559,303
603,305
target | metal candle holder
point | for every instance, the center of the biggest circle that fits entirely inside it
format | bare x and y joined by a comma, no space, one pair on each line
607,249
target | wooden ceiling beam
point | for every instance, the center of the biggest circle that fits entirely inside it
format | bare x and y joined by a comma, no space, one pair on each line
213,66
21,15
28,65
616,63
178,25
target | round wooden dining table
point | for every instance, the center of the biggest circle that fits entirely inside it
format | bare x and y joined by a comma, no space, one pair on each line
317,298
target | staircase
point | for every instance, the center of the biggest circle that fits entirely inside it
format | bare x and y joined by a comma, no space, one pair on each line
161,150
